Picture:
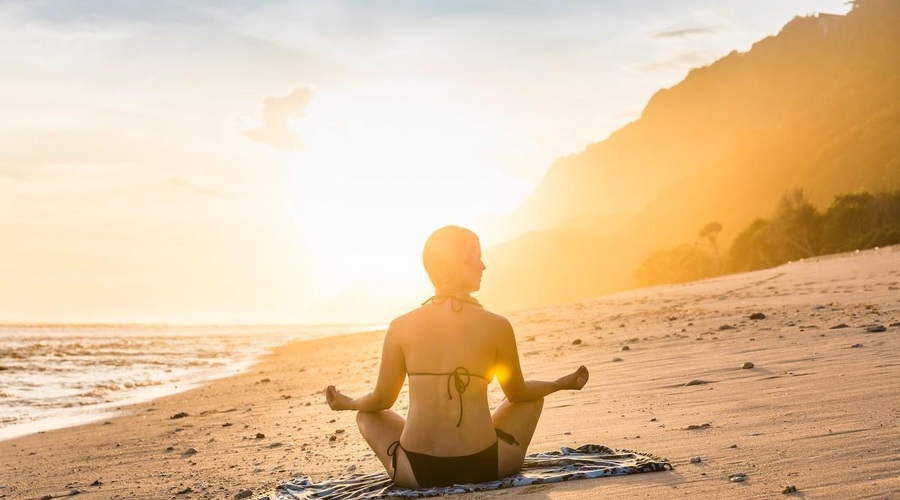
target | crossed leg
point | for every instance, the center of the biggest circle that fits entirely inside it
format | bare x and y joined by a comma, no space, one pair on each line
520,420
380,430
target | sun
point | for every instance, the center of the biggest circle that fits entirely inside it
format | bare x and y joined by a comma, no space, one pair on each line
384,166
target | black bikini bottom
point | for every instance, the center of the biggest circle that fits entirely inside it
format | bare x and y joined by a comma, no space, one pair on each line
444,471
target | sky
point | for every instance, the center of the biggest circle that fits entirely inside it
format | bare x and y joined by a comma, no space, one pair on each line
283,162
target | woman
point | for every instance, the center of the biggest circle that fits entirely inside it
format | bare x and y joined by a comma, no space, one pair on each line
451,348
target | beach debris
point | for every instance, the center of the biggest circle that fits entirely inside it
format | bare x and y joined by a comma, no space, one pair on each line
624,348
697,381
789,489
180,414
757,315
695,460
747,365
694,427
616,360
875,328
737,477
854,346
839,326
245,493
190,451
260,435
576,342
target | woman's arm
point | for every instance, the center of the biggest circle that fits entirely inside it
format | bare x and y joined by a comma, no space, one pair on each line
391,375
513,383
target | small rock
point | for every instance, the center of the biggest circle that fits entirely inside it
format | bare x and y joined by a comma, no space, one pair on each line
170,448
180,414
694,427
339,431
625,348
243,494
96,483
895,324
838,327
74,492
875,328
854,346
46,497
696,381
737,479
265,381
695,460
726,327
190,451
616,360
733,446
186,491
789,489
576,342
332,438
351,468
227,424
757,316
260,435
747,365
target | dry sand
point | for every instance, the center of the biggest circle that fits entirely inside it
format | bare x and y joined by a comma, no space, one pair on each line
814,411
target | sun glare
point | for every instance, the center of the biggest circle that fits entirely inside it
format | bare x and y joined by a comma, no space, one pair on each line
381,169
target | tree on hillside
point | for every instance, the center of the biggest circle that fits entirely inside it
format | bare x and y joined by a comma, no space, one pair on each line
797,227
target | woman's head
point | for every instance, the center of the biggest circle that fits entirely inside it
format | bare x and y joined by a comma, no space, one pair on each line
452,259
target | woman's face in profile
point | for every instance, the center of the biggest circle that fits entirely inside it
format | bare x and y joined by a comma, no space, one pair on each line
472,268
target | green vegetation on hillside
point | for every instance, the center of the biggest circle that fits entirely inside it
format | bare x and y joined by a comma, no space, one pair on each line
798,230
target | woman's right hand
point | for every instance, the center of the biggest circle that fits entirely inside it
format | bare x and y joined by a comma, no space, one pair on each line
575,380
336,400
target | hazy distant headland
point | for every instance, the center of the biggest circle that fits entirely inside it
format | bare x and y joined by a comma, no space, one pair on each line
814,108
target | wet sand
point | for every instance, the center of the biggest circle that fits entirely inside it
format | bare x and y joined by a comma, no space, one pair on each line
818,410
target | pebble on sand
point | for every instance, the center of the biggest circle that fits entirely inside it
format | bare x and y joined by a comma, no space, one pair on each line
625,348
747,365
696,381
695,460
616,360
190,451
576,342
789,489
243,494
757,316
838,327
737,477
854,346
875,328
180,414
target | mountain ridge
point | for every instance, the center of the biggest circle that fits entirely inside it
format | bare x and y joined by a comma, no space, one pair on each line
812,107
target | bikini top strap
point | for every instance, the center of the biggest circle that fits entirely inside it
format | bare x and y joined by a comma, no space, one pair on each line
456,303
460,377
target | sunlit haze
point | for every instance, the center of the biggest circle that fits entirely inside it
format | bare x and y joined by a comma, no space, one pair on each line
283,162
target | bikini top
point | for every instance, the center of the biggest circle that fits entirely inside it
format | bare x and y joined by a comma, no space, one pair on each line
460,378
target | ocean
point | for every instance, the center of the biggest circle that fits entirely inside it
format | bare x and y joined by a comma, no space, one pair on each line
54,376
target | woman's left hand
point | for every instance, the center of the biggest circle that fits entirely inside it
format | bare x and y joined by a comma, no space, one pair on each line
336,400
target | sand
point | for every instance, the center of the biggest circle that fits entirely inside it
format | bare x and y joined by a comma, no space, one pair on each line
813,412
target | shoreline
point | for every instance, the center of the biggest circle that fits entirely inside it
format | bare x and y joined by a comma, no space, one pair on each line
802,415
